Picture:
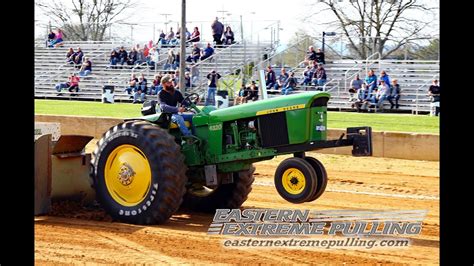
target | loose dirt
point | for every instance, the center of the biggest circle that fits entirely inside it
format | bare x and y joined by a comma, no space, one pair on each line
74,234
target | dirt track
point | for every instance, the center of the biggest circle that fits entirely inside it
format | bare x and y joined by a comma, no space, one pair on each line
74,235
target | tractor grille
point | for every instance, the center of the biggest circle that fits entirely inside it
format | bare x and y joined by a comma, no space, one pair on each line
273,129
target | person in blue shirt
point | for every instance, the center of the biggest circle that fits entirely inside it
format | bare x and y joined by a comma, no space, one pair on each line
207,52
371,81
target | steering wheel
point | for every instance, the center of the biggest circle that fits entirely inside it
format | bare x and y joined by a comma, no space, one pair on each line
189,103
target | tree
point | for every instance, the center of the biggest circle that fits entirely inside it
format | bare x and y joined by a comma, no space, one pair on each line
429,52
370,25
86,19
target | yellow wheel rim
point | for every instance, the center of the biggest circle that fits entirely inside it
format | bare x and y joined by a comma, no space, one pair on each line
127,175
293,181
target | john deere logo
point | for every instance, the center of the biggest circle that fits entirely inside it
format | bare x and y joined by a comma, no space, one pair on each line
126,174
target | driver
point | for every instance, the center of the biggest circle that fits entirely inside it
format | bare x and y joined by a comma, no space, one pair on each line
169,98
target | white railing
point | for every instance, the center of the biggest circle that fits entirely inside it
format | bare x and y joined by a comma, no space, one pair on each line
367,65
332,81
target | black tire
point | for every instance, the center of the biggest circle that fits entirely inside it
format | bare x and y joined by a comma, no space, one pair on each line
162,160
227,196
322,177
301,191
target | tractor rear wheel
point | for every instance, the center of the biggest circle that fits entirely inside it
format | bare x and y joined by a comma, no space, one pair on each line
295,180
322,177
139,173
226,196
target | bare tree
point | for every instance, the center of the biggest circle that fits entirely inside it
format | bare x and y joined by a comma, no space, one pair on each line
370,24
85,19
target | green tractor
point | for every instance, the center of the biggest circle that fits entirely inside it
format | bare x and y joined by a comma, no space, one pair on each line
144,169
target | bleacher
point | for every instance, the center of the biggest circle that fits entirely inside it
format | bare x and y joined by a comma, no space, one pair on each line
51,68
414,77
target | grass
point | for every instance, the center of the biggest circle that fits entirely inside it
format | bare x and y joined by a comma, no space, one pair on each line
378,122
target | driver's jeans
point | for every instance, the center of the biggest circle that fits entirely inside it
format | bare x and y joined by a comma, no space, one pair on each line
179,120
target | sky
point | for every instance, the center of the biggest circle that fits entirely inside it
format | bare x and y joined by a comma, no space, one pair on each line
201,13
149,21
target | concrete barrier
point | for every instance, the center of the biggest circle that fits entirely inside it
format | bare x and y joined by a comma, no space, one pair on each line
412,146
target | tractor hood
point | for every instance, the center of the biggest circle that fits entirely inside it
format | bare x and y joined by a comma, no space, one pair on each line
268,106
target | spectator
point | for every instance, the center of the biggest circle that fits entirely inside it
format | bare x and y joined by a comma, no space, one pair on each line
114,57
384,77
176,60
71,85
170,60
146,50
434,93
270,78
196,53
213,78
252,93
187,34
207,52
281,80
161,39
140,90
241,95
132,56
187,80
70,55
86,67
308,76
170,37
51,38
371,81
362,98
143,83
132,84
156,85
290,84
175,79
140,57
395,92
122,55
382,94
310,56
78,56
217,30
320,75
195,36
355,85
228,36
58,41
320,57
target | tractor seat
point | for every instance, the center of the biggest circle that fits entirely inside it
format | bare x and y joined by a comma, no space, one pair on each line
174,125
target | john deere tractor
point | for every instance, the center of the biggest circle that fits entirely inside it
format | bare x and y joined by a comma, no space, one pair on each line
144,169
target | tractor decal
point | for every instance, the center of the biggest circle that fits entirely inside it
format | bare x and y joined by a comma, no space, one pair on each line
281,109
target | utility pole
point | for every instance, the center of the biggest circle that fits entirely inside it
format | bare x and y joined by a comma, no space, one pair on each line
182,55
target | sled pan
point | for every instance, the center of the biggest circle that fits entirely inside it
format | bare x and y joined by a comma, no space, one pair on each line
70,169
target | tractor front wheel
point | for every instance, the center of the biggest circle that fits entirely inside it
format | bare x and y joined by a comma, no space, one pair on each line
322,177
295,180
139,173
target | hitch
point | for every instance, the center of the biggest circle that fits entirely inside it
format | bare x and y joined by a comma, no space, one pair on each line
361,140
